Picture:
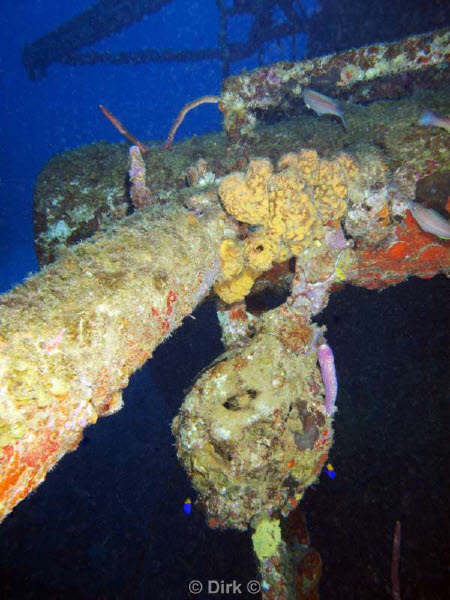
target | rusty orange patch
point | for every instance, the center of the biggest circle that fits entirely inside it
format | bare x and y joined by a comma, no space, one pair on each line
415,253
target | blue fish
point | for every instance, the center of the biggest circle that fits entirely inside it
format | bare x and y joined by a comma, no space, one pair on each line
187,506
329,469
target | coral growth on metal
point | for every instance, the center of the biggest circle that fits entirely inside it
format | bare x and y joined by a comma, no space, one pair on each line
254,432
376,71
411,252
256,428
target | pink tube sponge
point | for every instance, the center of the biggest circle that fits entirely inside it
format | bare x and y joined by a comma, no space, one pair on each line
326,361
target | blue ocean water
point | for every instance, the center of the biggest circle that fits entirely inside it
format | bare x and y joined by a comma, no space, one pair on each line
109,520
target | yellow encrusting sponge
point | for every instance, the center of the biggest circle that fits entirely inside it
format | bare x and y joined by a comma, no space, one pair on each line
287,210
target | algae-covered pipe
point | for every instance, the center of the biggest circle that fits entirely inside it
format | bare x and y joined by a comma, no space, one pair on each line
71,336
276,567
360,73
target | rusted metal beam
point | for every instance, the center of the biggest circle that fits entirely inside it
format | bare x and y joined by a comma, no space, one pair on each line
359,74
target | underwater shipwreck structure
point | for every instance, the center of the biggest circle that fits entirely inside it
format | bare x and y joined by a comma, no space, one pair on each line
66,44
280,204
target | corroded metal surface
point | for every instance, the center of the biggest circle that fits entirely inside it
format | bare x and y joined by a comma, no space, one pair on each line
379,70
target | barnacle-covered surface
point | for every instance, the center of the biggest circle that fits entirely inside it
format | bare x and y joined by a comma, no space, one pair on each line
376,71
83,190
253,432
264,115
71,335
76,194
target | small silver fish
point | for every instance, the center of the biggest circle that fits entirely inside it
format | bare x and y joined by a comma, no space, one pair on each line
323,105
432,119
430,221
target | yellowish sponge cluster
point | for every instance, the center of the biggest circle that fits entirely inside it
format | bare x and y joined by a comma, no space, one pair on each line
287,208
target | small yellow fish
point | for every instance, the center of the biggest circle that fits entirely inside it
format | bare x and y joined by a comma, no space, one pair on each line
432,119
323,105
